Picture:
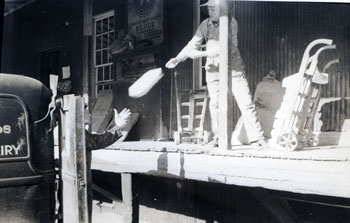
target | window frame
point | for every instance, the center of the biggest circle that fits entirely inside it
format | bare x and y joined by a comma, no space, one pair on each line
198,68
106,86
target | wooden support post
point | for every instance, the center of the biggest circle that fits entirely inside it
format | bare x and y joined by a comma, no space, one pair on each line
225,98
87,77
73,161
130,214
81,166
272,205
87,48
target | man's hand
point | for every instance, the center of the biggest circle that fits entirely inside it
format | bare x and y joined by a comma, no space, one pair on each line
173,62
121,119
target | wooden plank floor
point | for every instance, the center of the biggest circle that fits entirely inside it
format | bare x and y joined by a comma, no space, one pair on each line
319,170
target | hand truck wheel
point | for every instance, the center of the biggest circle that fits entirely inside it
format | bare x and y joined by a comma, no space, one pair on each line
288,142
177,138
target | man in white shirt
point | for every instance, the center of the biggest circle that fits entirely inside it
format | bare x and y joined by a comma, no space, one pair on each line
208,32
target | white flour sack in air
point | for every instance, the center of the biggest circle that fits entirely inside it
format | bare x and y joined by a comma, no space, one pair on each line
145,83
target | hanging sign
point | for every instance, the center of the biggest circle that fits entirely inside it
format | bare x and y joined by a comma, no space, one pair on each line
145,21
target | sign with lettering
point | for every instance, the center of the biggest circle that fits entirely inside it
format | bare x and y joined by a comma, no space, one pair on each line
13,129
145,21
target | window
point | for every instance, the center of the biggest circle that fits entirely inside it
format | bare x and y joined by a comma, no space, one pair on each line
200,13
104,32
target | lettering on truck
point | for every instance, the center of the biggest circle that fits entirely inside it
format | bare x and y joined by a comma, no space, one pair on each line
5,129
10,150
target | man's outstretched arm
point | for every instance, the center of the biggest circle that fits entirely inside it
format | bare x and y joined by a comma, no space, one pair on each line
100,141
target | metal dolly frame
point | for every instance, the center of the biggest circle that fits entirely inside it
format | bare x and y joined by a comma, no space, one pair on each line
297,131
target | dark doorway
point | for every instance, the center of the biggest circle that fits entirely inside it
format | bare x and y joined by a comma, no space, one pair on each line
50,64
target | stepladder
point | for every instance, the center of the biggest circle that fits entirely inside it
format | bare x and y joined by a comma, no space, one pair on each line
191,106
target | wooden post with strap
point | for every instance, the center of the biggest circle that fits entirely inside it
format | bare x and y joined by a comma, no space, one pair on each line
73,161
225,97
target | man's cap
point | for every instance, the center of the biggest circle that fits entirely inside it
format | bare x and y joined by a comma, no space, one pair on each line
212,3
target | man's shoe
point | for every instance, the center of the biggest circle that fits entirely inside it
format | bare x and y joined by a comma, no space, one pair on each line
261,142
214,143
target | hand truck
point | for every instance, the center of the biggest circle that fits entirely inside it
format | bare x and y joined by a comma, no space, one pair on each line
294,129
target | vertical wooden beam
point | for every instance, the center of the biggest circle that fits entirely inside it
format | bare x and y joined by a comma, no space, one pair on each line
82,173
87,48
130,214
73,161
225,97
87,73
196,69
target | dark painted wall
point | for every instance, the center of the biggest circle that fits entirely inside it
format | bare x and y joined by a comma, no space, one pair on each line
43,26
102,6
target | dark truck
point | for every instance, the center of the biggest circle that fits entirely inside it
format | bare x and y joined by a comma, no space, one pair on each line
27,170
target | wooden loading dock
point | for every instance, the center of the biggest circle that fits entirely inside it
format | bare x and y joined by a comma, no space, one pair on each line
317,171
321,171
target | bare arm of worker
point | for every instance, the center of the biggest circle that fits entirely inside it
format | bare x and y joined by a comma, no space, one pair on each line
188,51
100,141
194,44
194,54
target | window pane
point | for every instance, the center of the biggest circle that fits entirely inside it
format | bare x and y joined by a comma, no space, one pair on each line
105,25
111,23
98,42
108,72
104,56
99,88
204,81
98,58
111,38
106,75
100,74
107,87
105,41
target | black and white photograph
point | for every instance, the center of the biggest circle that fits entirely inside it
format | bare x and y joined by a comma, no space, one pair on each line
174,111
